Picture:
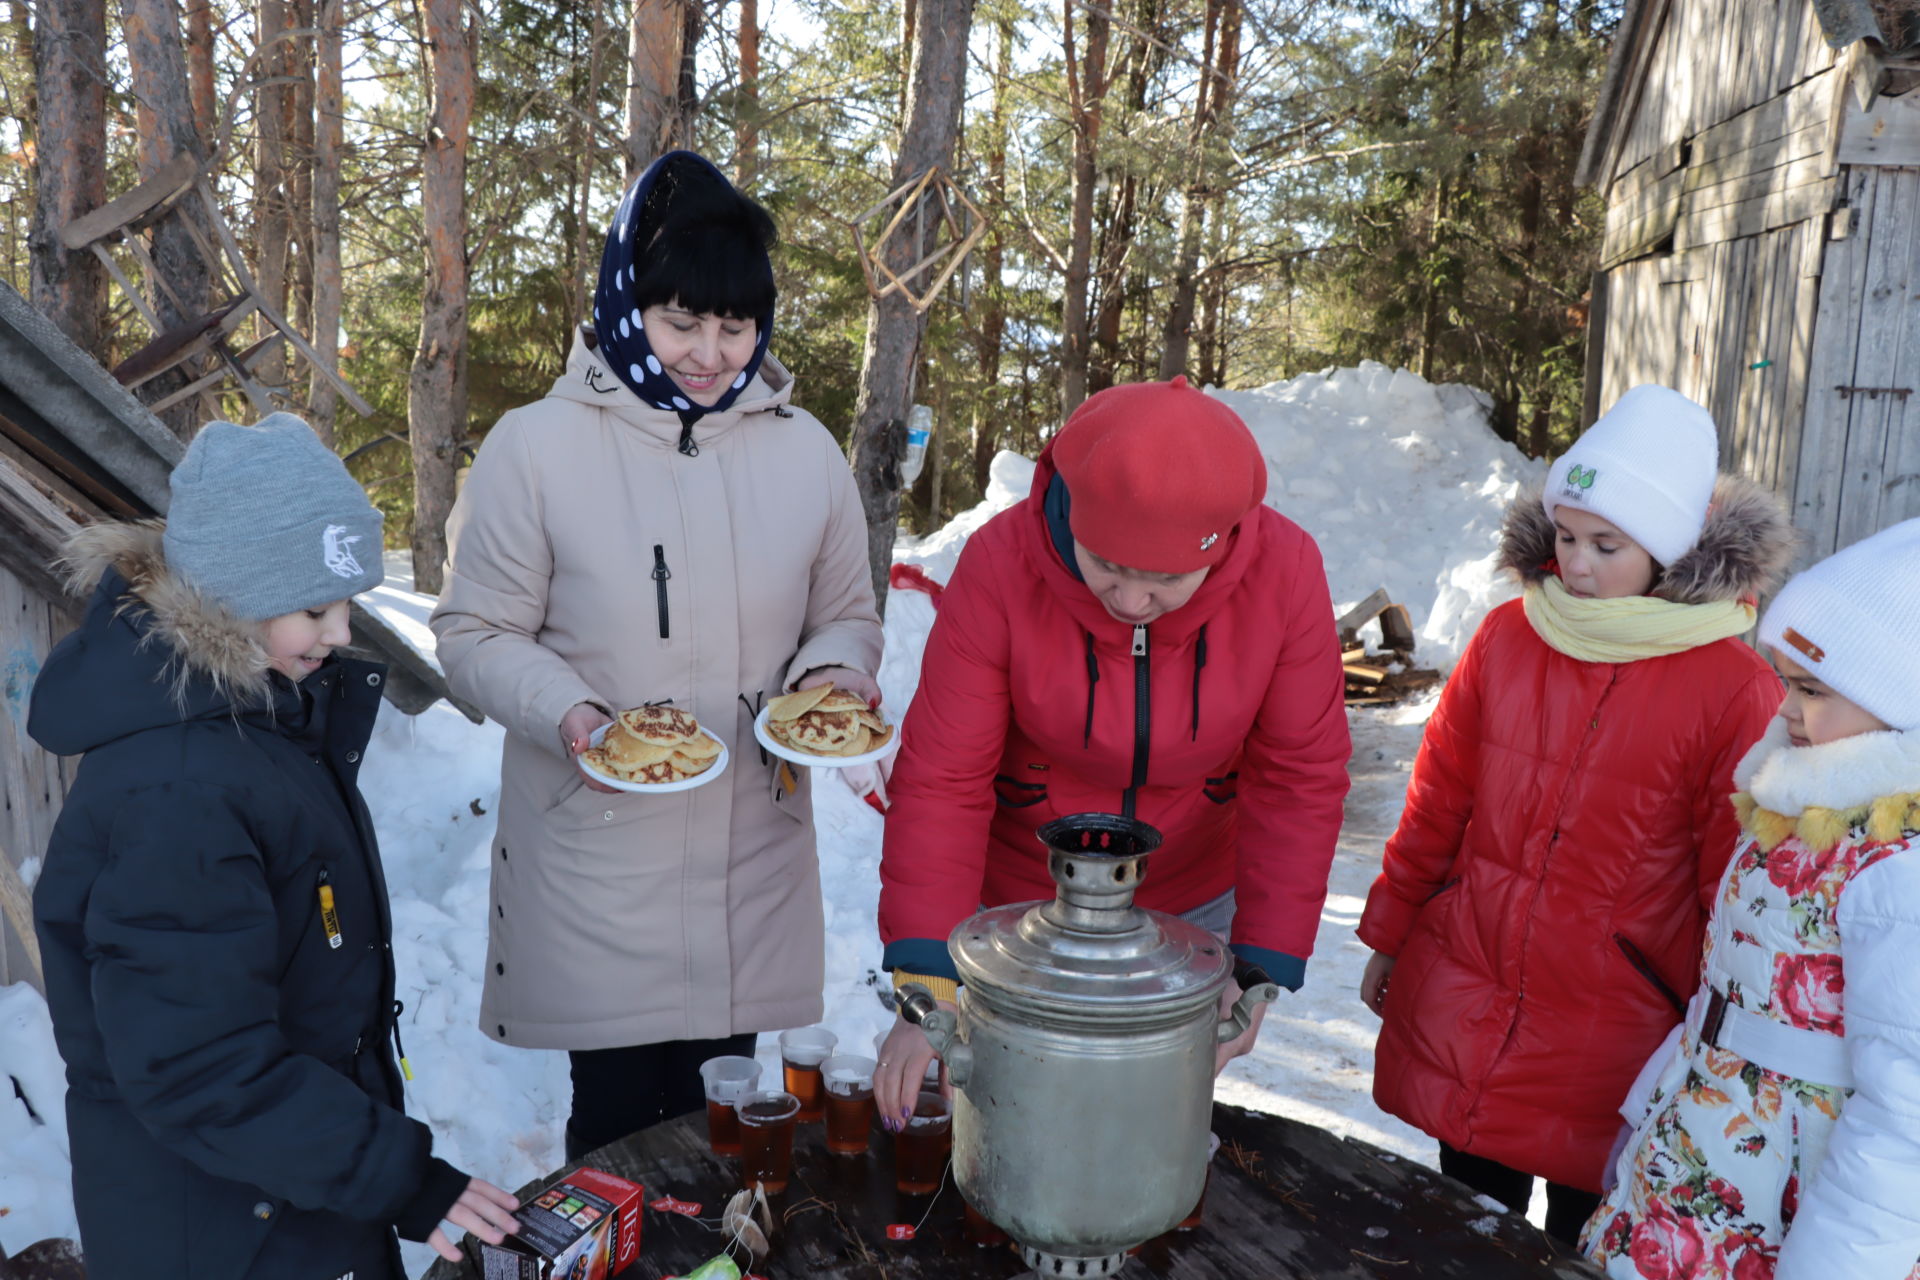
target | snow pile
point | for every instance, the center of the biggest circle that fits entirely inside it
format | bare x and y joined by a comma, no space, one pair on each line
1401,482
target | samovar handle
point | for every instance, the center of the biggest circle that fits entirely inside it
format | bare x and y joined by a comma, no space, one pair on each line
1242,1016
918,1006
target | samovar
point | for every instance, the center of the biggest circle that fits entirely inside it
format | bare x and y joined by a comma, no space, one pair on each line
1082,1054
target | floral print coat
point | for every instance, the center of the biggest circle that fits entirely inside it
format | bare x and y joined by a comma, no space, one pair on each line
1741,1171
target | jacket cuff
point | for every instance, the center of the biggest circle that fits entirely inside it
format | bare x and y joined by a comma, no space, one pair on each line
824,653
946,989
439,1188
1387,919
1287,970
920,957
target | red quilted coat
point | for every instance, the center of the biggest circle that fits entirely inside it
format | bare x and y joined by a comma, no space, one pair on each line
1550,881
1223,719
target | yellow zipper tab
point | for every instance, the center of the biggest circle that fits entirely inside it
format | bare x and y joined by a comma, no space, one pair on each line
329,918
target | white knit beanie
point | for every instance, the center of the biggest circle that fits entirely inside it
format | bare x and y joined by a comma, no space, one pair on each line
1647,467
1853,621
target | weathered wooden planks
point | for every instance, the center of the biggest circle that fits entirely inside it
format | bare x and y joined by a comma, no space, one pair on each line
1284,1201
1886,134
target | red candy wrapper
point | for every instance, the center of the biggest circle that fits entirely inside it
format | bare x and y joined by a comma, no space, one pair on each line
900,1231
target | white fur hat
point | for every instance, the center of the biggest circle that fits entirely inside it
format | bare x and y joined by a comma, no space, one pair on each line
1647,467
1853,621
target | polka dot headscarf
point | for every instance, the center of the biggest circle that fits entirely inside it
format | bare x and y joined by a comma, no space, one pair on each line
616,312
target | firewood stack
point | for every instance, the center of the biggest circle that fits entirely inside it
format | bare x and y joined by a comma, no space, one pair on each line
1375,678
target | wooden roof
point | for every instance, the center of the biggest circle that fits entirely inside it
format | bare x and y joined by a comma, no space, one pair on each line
76,446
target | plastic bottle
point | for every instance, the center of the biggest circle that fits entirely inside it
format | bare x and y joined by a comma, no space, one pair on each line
919,432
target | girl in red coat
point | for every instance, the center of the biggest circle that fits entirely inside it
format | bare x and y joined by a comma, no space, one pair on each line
1140,636
1543,900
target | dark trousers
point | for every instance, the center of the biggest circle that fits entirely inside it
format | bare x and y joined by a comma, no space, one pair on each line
619,1091
1568,1208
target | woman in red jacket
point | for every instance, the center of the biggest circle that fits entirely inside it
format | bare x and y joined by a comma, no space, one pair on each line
1542,902
1140,636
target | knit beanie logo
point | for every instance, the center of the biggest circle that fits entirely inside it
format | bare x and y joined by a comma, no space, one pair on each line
335,549
1813,652
1579,480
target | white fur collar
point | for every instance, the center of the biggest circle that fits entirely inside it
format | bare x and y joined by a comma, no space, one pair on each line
1849,774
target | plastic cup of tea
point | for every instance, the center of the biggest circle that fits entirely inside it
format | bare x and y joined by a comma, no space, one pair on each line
727,1080
766,1139
801,1053
921,1146
849,1084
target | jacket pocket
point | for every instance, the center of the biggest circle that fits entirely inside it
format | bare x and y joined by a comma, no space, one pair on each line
1449,885
1222,790
1638,959
1014,794
575,783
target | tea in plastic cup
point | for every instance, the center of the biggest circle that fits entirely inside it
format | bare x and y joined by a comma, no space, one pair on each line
766,1139
921,1147
801,1053
849,1084
727,1080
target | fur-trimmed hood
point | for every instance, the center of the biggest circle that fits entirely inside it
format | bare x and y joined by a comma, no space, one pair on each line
1743,550
152,650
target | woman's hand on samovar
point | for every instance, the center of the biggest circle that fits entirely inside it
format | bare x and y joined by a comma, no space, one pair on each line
1241,1044
904,1056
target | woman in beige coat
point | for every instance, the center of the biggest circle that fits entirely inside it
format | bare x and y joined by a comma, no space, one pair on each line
662,527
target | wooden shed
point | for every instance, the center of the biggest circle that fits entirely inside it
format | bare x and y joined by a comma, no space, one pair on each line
1760,162
75,446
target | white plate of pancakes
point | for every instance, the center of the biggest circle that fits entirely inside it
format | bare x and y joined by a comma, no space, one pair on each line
653,750
826,727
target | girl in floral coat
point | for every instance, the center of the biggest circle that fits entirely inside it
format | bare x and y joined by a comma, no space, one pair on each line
1778,1132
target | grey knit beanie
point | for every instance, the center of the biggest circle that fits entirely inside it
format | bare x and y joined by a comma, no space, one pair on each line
266,520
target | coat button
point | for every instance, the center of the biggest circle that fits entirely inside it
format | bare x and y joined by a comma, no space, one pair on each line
500,969
263,1211
500,911
353,757
607,816
503,1032
373,678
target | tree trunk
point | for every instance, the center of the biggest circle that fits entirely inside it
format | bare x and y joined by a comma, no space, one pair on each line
157,60
300,143
437,389
328,137
1212,100
70,85
746,116
200,86
992,304
586,258
1086,102
894,329
653,80
272,205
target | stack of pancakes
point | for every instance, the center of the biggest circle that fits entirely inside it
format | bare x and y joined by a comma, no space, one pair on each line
653,745
825,721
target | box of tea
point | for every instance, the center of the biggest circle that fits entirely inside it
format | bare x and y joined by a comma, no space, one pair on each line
586,1226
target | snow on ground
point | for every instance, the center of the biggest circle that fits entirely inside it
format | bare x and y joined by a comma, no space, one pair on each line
1401,482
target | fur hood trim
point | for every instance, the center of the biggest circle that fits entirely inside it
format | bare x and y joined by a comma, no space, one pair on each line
1744,548
1821,793
202,638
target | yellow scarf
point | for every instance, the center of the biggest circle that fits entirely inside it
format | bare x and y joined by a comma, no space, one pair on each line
1629,628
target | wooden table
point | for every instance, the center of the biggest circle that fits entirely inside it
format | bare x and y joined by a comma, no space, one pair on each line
1286,1201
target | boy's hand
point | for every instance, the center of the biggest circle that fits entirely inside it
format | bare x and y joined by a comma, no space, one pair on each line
1373,983
483,1209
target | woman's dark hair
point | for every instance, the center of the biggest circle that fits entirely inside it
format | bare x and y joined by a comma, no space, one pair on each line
706,245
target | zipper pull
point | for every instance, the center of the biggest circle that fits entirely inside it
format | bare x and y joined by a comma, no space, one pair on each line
406,1068
1140,640
329,918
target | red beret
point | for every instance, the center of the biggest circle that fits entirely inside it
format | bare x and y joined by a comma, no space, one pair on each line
1158,474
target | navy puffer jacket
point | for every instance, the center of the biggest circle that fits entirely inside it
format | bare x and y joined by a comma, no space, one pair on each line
233,1104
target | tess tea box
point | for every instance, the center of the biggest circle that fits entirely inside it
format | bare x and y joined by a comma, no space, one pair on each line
584,1227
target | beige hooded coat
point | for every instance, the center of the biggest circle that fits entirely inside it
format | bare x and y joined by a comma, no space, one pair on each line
629,919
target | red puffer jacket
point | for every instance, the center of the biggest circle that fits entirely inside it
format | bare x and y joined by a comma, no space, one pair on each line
1548,886
1033,704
